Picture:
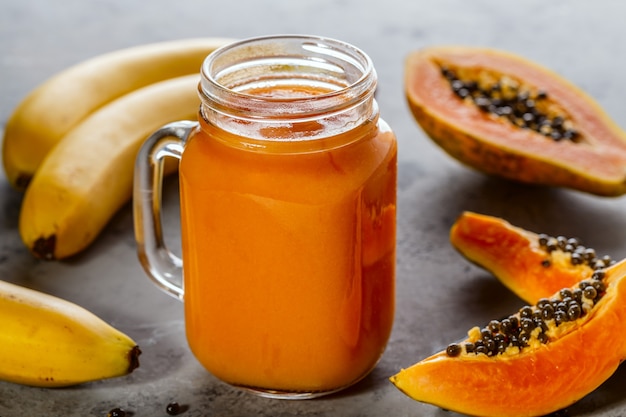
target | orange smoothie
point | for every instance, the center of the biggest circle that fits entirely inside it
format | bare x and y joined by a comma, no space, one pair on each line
289,254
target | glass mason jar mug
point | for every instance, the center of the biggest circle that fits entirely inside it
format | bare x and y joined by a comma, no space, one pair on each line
288,216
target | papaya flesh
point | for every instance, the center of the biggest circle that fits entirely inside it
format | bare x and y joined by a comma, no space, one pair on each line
531,265
536,380
504,133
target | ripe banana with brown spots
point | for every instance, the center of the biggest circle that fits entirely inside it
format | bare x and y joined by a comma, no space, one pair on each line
88,176
47,341
58,105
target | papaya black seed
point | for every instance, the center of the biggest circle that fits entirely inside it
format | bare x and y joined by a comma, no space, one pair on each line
598,285
542,302
506,326
574,241
570,134
589,254
483,103
576,259
539,323
560,317
577,294
524,338
117,412
547,312
527,325
528,117
494,326
454,350
497,102
463,92
580,249
447,73
590,292
543,239
574,312
597,264
481,349
598,275
551,246
174,409
472,85
526,312
503,111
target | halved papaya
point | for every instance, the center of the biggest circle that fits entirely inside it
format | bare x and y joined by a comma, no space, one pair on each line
531,265
549,368
507,116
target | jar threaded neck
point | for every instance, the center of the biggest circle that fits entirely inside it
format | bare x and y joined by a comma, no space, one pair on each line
322,80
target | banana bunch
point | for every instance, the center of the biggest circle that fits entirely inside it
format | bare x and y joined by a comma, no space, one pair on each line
46,341
72,142
45,116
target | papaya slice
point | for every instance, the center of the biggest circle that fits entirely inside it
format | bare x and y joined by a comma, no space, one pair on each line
533,363
506,116
531,265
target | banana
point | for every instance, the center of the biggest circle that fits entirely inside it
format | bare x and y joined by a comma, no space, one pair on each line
47,341
88,175
59,104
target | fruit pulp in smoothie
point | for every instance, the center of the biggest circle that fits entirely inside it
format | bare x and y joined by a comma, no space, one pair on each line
289,256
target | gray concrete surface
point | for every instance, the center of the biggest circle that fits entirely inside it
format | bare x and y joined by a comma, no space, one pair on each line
439,295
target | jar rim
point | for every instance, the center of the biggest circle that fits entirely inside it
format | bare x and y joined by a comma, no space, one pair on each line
348,71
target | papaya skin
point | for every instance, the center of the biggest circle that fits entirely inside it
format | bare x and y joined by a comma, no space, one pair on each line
514,256
596,164
537,381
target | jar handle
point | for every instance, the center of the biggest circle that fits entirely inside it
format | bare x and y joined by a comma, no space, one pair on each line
161,265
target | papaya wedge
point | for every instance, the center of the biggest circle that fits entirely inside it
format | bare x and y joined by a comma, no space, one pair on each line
516,369
506,116
531,265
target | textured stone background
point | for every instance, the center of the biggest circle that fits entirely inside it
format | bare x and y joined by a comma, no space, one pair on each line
440,295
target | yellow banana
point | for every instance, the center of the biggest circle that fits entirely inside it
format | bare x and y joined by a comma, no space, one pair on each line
60,103
46,341
88,176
